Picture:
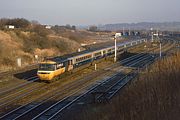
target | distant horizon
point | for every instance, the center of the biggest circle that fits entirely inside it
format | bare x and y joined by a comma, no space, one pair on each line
94,23
91,12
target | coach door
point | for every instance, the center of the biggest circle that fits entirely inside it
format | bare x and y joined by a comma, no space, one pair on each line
70,65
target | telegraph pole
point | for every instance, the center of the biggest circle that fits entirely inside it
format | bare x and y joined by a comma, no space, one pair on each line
160,45
152,39
123,31
115,46
160,49
115,52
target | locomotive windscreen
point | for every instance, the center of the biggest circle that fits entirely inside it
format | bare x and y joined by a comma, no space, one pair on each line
46,67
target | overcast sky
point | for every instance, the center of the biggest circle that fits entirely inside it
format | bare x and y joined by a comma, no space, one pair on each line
88,12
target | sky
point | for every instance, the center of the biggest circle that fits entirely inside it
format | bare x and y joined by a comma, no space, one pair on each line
91,12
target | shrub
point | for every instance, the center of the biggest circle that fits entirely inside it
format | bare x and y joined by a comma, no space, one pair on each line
8,61
41,30
17,22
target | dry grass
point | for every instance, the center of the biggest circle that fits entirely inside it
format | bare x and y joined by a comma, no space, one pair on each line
155,95
36,41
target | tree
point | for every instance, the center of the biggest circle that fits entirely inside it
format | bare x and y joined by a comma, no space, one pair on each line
34,22
17,22
40,30
68,26
73,27
3,22
93,28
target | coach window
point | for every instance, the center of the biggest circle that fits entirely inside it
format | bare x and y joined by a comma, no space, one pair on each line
77,59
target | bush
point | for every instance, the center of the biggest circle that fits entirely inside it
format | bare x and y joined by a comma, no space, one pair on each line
93,28
17,22
1,48
36,41
60,45
8,61
41,30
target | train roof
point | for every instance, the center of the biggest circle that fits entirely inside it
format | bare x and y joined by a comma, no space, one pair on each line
103,48
64,58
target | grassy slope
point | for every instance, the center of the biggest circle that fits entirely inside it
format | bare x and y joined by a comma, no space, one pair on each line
27,43
155,95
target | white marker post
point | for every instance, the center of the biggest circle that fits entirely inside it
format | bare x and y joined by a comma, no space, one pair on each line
19,62
95,67
36,58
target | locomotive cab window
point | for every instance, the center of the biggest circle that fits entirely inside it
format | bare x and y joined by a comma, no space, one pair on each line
46,67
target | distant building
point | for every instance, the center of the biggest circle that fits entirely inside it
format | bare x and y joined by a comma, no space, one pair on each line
10,26
83,44
48,27
118,35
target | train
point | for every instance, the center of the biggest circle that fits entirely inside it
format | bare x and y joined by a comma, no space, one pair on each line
53,67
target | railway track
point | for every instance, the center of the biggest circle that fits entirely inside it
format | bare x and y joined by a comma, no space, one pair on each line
124,61
29,80
20,112
33,106
114,87
10,98
14,96
59,106
13,88
109,92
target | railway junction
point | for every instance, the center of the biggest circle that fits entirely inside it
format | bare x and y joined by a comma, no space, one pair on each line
37,100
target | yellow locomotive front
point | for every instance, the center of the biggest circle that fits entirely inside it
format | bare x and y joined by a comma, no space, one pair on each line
49,69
